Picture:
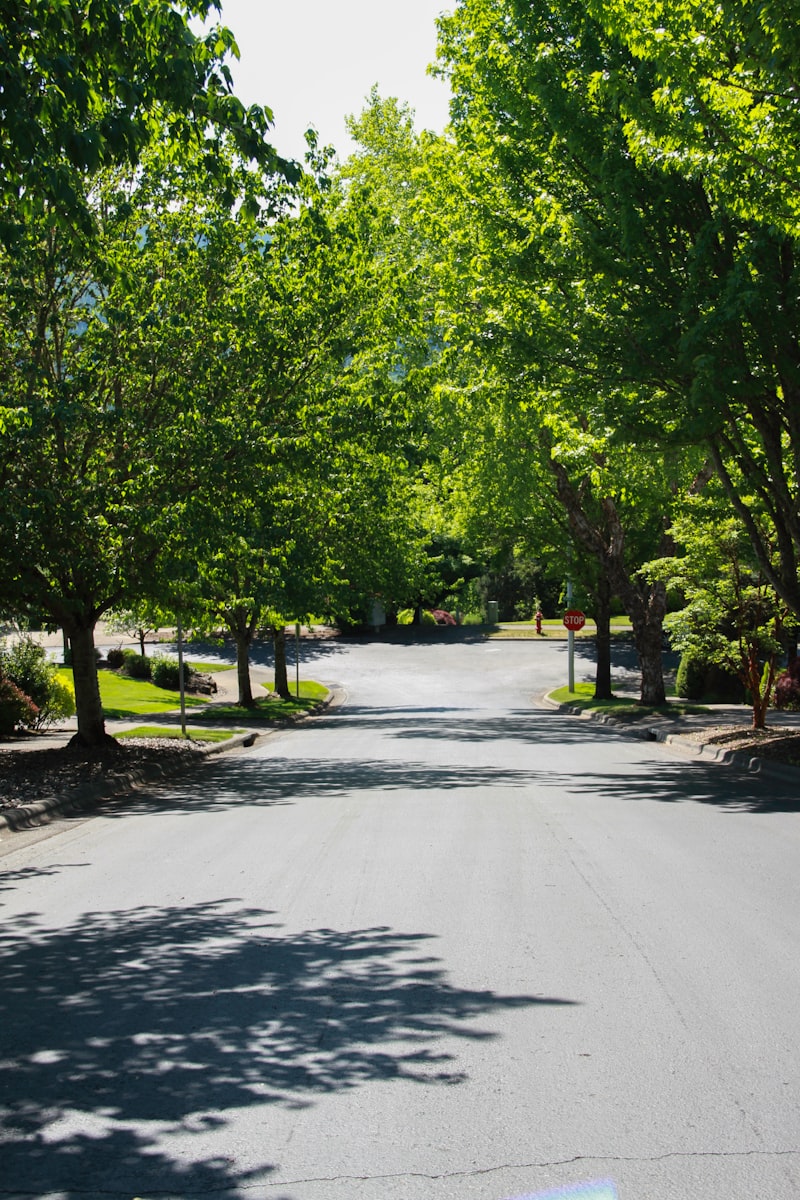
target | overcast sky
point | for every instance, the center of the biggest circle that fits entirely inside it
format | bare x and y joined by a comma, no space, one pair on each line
315,61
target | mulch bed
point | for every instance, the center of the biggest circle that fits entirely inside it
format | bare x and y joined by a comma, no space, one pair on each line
779,744
30,776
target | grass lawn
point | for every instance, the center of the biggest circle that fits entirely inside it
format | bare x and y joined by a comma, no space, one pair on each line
207,668
268,709
124,697
583,698
168,732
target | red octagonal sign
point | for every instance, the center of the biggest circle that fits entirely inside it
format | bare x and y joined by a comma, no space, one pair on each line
574,619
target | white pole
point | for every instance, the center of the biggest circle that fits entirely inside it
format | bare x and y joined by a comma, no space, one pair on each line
180,678
297,658
570,641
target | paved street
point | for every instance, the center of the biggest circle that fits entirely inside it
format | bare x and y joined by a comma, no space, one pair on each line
435,943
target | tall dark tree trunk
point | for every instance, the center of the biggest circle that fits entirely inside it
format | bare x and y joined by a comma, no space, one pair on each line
602,616
243,670
91,724
242,625
645,604
281,673
648,639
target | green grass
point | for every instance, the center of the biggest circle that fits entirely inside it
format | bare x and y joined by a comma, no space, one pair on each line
309,689
583,698
171,733
124,697
270,709
208,668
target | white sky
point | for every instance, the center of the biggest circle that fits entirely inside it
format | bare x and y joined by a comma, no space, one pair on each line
313,62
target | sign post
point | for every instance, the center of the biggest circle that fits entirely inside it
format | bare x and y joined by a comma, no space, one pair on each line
574,620
181,682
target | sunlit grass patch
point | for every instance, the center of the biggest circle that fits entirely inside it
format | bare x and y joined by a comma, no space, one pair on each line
209,668
271,708
583,698
122,696
171,733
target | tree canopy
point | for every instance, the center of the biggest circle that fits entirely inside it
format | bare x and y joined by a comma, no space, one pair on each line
86,84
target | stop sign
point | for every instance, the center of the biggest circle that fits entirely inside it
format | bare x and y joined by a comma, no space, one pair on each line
574,619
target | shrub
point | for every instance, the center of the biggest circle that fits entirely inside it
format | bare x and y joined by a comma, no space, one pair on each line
27,666
690,679
115,657
787,688
137,666
16,709
60,703
165,674
698,679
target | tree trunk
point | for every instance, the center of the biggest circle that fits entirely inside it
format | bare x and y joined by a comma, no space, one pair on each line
281,673
759,686
602,616
242,625
648,644
243,670
646,605
91,724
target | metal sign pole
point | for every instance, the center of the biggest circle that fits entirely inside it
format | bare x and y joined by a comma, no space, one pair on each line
570,642
180,678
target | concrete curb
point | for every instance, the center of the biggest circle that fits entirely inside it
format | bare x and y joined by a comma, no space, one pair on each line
30,815
680,741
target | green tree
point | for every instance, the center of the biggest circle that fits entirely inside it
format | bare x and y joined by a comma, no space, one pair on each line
731,616
722,100
87,84
120,353
315,519
634,285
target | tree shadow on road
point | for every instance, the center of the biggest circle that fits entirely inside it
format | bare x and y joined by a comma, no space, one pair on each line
691,781
127,1037
539,726
265,782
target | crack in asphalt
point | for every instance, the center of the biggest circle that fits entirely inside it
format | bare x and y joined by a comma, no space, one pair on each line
531,1166
475,1172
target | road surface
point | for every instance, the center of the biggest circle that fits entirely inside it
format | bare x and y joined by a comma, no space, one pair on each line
436,943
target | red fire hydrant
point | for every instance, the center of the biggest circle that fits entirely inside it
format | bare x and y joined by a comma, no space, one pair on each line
538,620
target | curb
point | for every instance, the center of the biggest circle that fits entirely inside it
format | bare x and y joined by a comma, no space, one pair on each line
679,741
31,815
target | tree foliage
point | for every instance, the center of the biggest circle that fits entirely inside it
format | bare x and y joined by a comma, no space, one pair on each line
87,84
731,616
647,302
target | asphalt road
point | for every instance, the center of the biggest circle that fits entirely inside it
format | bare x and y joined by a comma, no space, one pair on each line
436,943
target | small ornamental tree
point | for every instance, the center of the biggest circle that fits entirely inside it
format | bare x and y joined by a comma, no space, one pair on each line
26,665
732,617
787,688
16,709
